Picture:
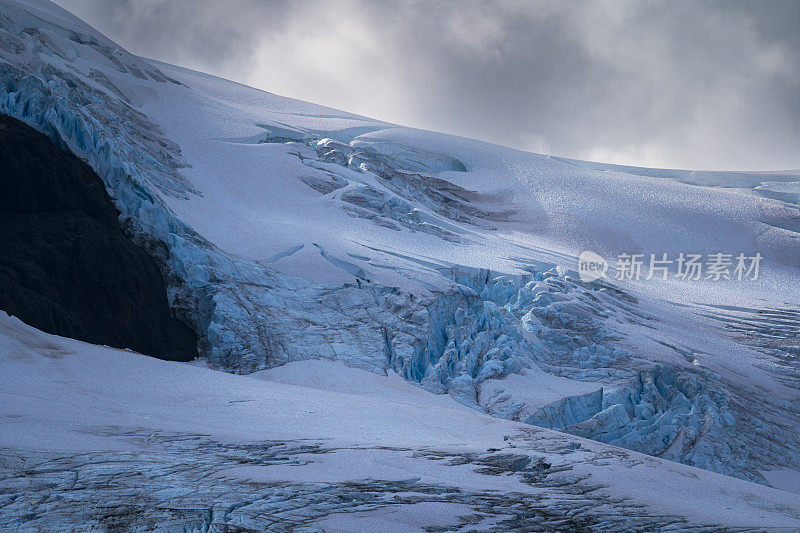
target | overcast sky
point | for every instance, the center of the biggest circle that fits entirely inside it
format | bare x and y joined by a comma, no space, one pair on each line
711,85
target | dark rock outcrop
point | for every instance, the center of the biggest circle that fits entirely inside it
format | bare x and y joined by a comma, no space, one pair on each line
66,264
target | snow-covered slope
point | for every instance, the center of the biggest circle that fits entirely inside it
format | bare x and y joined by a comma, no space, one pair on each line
147,445
296,232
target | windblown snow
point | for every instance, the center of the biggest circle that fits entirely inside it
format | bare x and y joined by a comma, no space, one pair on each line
357,267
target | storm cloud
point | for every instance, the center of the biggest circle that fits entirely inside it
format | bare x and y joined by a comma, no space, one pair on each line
711,85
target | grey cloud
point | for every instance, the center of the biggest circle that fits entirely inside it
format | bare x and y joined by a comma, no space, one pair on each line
679,84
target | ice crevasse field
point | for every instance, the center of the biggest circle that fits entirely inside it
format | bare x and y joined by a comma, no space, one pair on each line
391,326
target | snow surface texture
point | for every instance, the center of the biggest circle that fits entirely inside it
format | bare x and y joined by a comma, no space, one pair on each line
356,452
295,232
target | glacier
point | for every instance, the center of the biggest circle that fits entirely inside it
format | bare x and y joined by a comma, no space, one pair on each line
293,232
352,451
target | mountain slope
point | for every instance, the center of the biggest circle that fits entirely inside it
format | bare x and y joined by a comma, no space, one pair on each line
296,232
271,455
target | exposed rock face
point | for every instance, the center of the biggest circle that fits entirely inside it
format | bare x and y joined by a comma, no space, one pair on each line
66,264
